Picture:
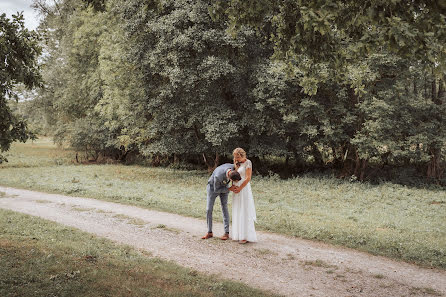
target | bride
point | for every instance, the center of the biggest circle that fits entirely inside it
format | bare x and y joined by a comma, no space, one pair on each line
243,209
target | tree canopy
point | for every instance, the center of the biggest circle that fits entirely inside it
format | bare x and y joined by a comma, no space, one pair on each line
356,87
335,36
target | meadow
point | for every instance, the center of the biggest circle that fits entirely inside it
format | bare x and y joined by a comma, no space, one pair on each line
42,258
391,220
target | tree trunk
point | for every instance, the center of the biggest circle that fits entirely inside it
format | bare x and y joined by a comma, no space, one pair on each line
364,166
415,90
156,160
434,90
216,160
441,92
205,160
211,164
317,156
348,162
123,155
434,168
357,164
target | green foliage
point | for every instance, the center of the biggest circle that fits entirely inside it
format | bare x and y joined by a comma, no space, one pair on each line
18,55
196,78
81,54
400,123
340,34
121,107
98,5
340,85
89,135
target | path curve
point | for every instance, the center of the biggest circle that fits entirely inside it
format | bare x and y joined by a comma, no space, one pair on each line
281,264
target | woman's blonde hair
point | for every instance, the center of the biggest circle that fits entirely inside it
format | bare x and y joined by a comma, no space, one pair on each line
240,153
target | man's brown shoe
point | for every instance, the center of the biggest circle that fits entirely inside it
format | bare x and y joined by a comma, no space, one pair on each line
225,237
208,235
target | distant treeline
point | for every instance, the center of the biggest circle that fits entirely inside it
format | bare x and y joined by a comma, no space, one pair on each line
185,82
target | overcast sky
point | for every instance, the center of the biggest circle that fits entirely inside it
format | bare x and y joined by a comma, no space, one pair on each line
11,7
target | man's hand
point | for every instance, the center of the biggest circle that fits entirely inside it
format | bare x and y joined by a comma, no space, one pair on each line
237,190
232,188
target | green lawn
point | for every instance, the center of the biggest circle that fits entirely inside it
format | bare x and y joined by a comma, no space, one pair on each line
42,258
388,219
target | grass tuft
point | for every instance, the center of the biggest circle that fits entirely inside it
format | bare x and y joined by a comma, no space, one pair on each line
103,211
43,201
122,216
81,209
378,276
319,263
265,252
424,291
137,222
169,229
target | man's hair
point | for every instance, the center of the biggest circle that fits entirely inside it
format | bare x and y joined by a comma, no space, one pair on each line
234,175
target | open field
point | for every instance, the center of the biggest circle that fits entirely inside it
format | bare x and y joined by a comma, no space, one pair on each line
41,258
390,220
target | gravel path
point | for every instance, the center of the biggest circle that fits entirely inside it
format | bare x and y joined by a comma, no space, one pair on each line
281,264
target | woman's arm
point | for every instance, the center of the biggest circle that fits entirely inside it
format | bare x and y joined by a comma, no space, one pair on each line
247,180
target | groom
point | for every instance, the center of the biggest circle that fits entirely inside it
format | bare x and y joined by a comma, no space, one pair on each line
218,185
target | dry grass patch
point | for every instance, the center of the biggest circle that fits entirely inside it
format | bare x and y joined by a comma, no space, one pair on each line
137,222
103,211
81,209
43,201
379,276
290,257
122,216
265,252
319,263
164,227
424,292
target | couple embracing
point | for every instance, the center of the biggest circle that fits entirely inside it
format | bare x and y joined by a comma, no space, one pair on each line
243,209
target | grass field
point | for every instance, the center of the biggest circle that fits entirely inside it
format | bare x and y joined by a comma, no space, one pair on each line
42,258
387,219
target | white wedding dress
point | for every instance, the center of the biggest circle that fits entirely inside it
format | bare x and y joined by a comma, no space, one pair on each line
243,209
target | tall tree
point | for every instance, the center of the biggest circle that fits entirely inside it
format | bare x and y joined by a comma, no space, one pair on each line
122,106
197,79
19,51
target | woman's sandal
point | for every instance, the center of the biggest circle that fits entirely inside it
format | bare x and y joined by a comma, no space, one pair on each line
242,241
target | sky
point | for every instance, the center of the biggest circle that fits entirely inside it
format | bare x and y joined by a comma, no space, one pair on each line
11,7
